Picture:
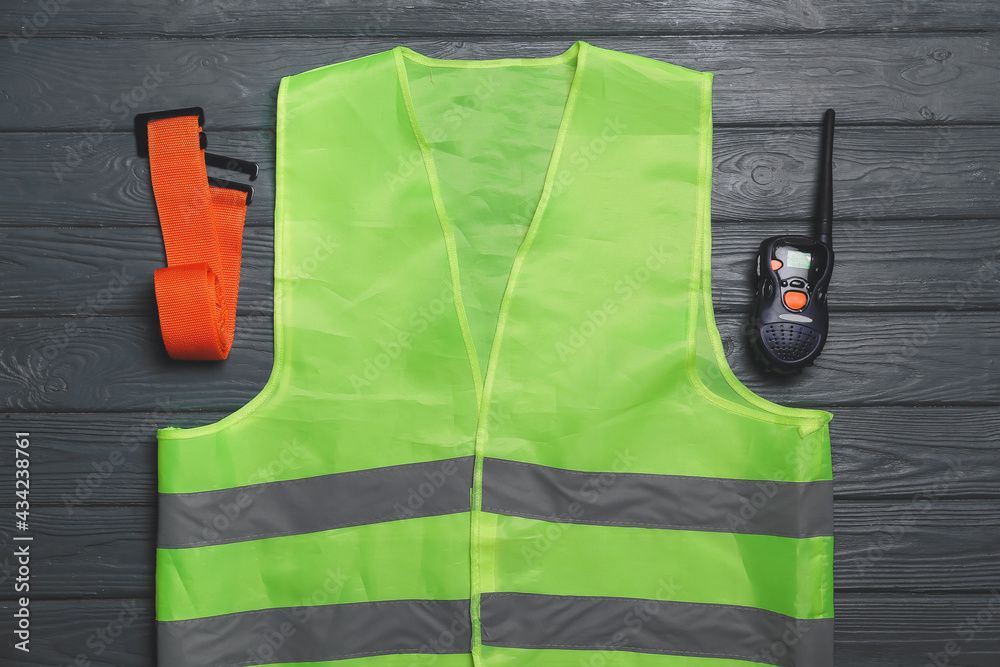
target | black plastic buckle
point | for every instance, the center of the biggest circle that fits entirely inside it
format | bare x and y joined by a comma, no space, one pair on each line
142,131
232,185
247,167
251,169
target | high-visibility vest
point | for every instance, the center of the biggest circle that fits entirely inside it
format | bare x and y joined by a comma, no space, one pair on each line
500,429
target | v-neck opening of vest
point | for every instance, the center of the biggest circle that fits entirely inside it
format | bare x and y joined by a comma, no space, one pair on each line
577,51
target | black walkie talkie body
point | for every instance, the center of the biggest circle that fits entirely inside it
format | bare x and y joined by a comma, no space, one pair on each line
789,318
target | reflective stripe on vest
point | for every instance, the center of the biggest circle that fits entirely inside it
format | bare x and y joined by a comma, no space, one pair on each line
500,429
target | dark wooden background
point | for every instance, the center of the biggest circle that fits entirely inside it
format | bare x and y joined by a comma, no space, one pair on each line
911,371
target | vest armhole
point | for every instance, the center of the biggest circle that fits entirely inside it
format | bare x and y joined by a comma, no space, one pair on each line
178,433
706,358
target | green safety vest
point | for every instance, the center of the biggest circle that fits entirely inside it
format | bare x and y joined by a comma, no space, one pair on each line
500,429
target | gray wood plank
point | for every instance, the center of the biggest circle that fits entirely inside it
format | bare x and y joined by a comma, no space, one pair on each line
896,78
93,271
904,452
760,175
892,359
61,179
935,545
881,266
467,17
86,633
108,270
880,173
899,546
879,453
93,459
117,363
906,630
114,363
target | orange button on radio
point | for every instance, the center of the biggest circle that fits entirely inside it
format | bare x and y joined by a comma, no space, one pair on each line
796,300
775,264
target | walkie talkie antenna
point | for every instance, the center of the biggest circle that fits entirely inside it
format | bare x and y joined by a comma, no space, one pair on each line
825,199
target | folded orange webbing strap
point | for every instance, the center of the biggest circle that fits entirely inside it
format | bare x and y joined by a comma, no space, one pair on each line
203,235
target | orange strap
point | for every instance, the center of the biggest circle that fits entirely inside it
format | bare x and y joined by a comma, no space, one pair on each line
203,235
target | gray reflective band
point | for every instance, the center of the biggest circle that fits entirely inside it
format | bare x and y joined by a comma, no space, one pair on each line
786,509
313,504
519,620
315,634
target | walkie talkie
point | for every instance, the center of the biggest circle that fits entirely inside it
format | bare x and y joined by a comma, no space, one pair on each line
789,318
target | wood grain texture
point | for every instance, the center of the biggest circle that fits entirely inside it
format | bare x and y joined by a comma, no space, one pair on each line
899,453
761,175
86,633
519,17
108,270
910,373
63,179
949,358
117,363
911,630
97,552
896,78
109,363
879,453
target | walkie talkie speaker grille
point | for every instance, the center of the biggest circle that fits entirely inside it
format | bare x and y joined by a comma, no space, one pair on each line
789,342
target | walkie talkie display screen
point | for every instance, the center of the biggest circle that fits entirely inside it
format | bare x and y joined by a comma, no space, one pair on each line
798,260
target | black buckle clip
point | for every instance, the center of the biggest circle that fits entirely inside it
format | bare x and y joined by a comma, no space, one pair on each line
142,131
251,169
